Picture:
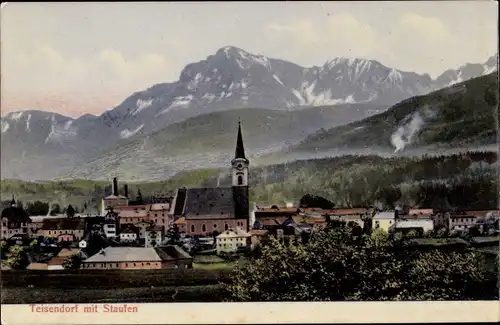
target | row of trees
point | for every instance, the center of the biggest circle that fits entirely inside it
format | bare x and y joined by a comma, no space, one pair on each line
344,263
40,208
17,257
462,180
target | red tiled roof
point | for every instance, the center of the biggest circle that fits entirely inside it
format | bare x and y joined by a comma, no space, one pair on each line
482,213
132,207
272,221
181,221
343,212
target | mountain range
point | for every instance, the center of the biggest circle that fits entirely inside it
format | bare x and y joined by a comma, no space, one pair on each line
41,145
464,115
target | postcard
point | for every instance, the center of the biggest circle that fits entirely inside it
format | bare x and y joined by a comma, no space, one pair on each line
249,162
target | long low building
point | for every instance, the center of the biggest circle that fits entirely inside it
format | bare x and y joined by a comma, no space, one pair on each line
131,258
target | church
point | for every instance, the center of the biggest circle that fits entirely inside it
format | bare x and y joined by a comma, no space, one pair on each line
209,211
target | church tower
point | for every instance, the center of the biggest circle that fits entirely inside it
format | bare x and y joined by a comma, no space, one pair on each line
239,173
240,163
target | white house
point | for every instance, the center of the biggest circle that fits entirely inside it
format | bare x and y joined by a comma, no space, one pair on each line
128,235
109,230
231,239
384,220
425,224
154,236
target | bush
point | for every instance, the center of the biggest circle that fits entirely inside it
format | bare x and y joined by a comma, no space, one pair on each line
337,266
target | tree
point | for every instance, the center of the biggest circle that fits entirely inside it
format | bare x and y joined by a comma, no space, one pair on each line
72,262
138,198
3,245
314,201
55,209
17,258
173,236
337,266
37,208
70,211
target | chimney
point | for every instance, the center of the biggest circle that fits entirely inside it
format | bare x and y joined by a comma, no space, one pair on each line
115,187
125,189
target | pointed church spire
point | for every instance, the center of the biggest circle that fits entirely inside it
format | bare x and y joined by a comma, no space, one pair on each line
13,202
240,149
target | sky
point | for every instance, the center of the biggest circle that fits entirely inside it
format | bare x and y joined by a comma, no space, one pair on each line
77,58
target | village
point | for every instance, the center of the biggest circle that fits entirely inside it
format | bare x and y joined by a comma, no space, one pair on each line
199,225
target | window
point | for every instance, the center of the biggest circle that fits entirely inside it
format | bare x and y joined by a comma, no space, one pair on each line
117,265
126,264
215,225
192,228
102,264
240,180
204,228
226,227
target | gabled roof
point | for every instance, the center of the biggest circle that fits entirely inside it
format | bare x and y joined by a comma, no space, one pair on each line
345,212
115,197
180,221
233,232
124,254
209,202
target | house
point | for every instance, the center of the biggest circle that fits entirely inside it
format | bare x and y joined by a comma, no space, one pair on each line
124,258
14,220
141,227
421,225
155,235
113,200
181,223
54,227
210,211
232,239
420,212
110,224
460,221
257,235
159,214
274,212
272,225
132,214
66,238
172,256
383,220
128,235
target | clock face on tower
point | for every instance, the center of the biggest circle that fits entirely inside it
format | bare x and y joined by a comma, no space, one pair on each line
240,166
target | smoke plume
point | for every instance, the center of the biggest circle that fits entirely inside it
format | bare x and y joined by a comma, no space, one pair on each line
406,133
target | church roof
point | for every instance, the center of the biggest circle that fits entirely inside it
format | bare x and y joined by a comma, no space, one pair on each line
203,202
